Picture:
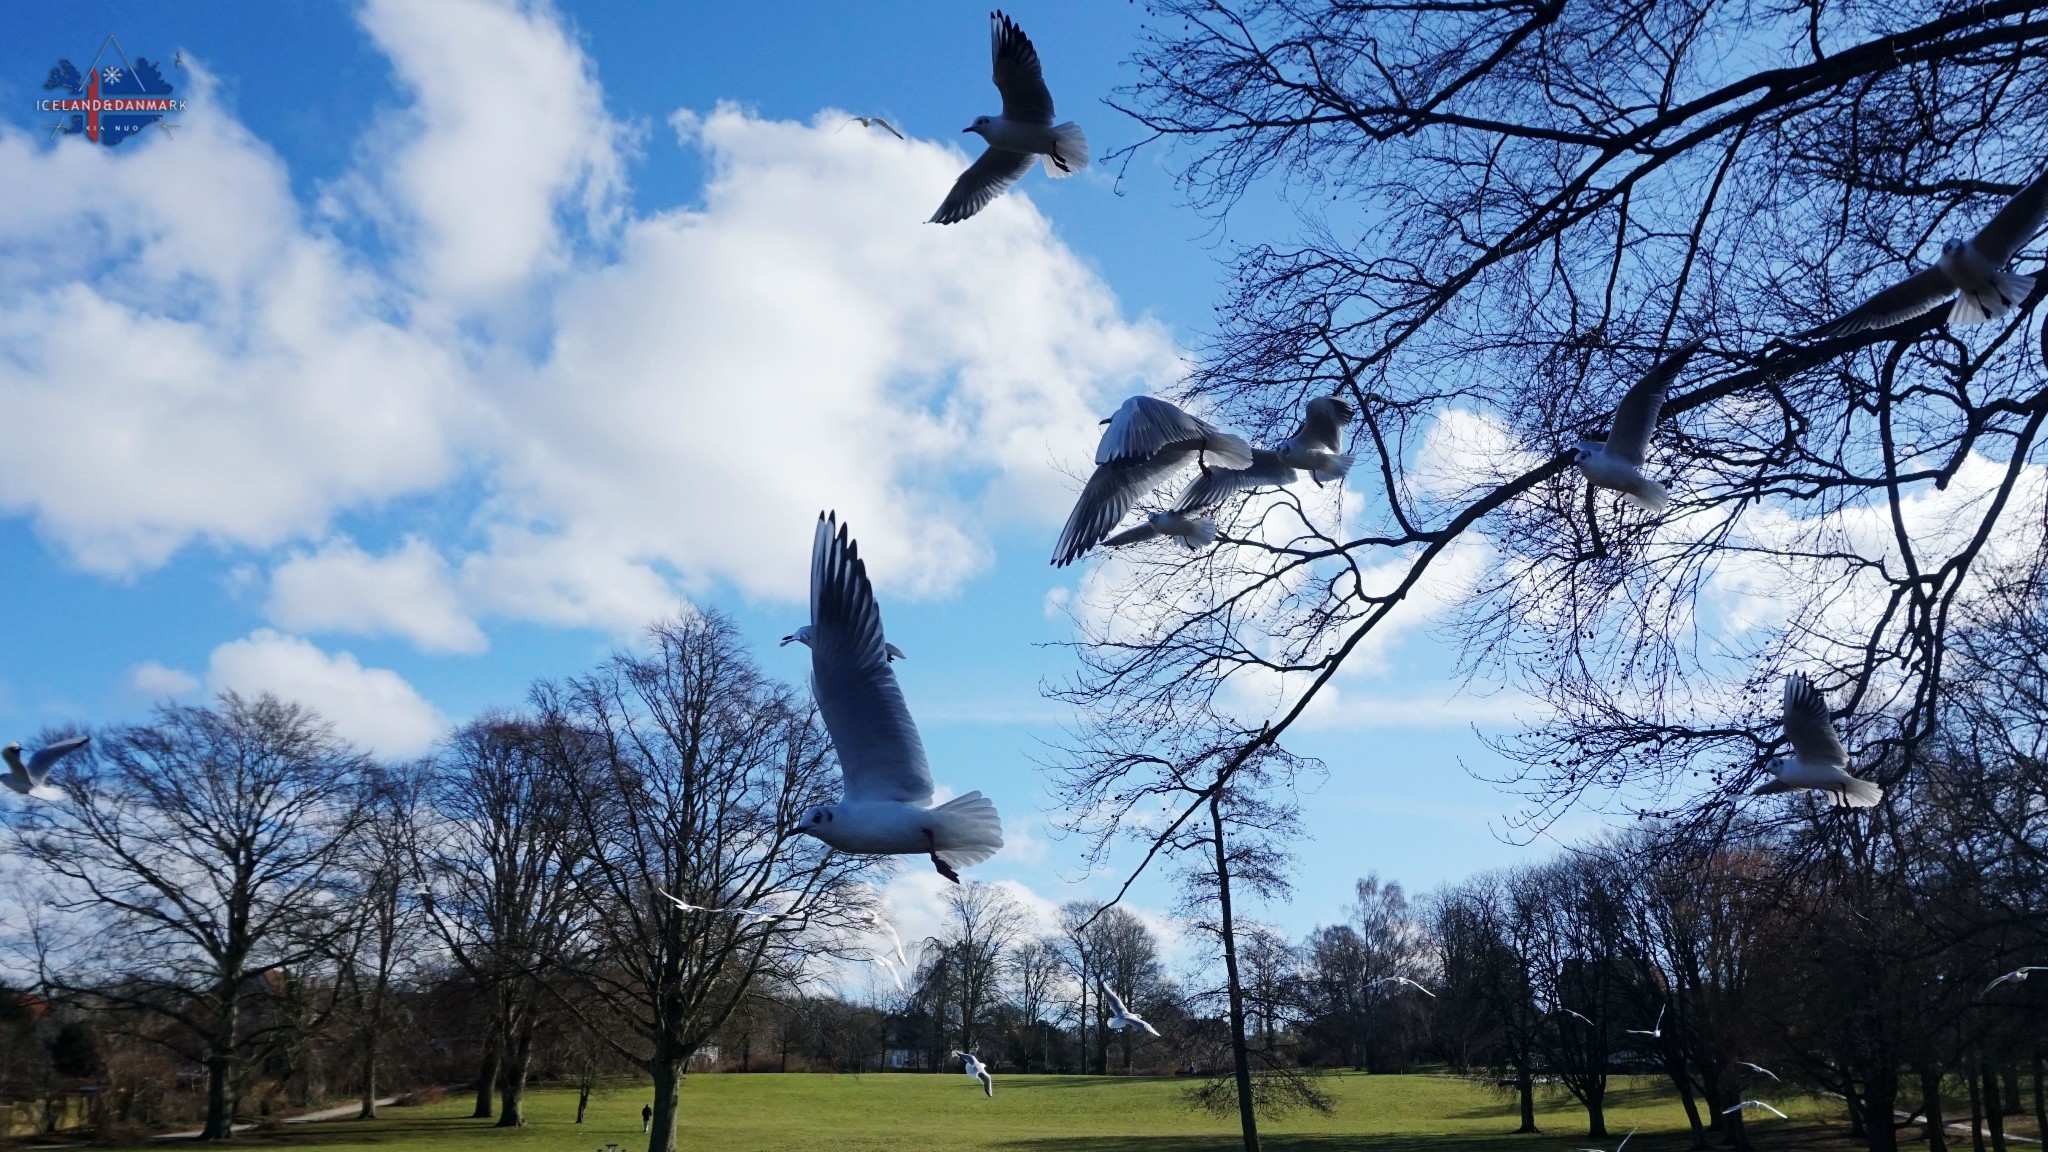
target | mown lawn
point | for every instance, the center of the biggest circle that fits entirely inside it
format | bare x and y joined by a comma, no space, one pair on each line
735,1113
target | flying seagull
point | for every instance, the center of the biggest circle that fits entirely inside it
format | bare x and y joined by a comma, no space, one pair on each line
886,805
1194,532
1580,1015
1122,1017
872,122
895,941
1408,982
686,905
1617,462
1617,1147
33,778
1312,449
803,636
1755,1104
1758,1068
1818,760
1146,441
1022,134
979,1071
2013,977
1654,1031
1967,270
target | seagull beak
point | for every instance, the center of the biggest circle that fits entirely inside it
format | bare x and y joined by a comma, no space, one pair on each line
1105,419
785,641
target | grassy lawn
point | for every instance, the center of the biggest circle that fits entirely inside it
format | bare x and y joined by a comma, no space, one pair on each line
734,1113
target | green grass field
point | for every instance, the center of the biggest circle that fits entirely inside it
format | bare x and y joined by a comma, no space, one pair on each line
734,1113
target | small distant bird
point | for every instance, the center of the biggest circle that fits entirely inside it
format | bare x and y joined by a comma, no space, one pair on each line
1580,1015
178,58
1122,1017
885,808
1408,982
33,778
1617,1147
1194,532
895,941
888,966
873,122
979,1071
685,905
1758,1068
803,636
1018,137
1617,462
2012,977
1818,760
1654,1031
1755,1104
1967,270
1313,449
1146,442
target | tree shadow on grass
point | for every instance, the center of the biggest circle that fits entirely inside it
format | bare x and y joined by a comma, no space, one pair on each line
1813,1137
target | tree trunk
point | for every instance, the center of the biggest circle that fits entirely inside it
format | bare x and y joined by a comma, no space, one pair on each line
369,1109
661,1135
1239,1055
1596,1113
487,1074
220,1065
1525,1088
1976,1106
512,1080
1930,1106
1679,1080
2040,1099
1994,1109
1880,1100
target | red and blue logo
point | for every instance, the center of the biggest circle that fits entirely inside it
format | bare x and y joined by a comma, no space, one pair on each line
112,100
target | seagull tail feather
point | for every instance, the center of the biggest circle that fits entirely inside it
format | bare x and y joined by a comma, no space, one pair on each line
1071,151
2007,290
970,830
1203,535
1859,793
1335,468
1650,495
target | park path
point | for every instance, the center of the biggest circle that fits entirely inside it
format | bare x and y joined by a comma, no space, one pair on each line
335,1113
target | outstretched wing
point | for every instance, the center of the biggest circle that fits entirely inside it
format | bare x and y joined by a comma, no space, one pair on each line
2015,223
1808,726
880,755
1017,74
1144,427
1107,498
1116,1002
985,179
1636,416
1213,486
1323,424
1897,304
39,765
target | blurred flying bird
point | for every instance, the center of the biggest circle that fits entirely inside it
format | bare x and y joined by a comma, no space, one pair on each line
1122,1017
803,636
1312,449
2014,976
1408,982
1023,133
1755,1104
1617,462
1146,442
1758,1068
1818,760
979,1071
1654,1031
33,778
873,122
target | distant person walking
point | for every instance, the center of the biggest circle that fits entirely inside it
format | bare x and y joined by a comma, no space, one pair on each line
646,1118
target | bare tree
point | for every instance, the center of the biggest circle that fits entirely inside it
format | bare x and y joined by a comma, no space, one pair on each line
199,854
982,923
385,923
685,770
1036,970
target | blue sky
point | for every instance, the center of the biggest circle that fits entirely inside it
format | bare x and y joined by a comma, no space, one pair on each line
415,367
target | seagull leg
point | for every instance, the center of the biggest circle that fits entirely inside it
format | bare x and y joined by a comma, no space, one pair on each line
944,868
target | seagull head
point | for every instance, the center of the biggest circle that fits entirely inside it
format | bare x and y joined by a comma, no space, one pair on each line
801,636
980,126
1951,245
1587,449
815,821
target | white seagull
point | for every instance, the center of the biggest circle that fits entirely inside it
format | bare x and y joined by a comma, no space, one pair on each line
886,805
888,966
1617,462
1755,1104
2014,976
1758,1068
33,778
876,921
1146,441
1122,1017
872,122
1018,137
1617,1147
1194,532
1580,1015
1818,760
685,905
1313,449
1408,982
1967,270
1654,1031
979,1071
803,636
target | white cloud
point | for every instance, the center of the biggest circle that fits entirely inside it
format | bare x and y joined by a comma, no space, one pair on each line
341,588
374,707
157,680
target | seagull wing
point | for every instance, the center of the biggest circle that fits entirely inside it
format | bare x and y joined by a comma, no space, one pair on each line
1807,724
39,765
985,179
1144,426
1116,1002
1107,498
1636,416
1213,486
1897,304
880,755
1017,74
889,126
1323,424
2015,224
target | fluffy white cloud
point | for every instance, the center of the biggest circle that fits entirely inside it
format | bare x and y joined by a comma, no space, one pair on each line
635,421
341,588
152,679
374,707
